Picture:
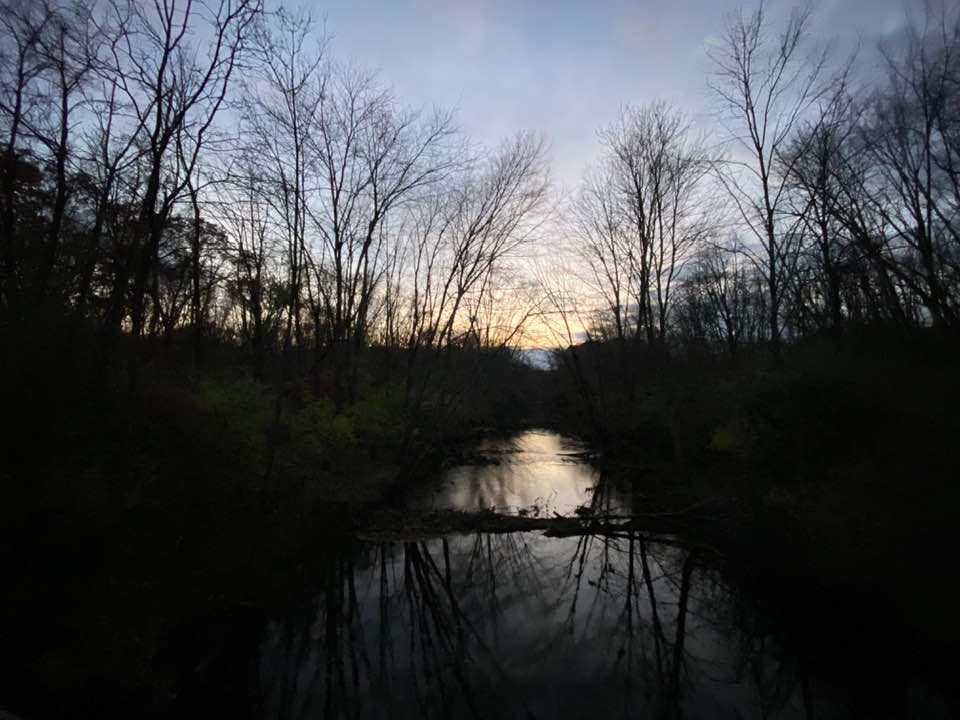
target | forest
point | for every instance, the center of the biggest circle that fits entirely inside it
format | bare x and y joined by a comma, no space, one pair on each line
249,296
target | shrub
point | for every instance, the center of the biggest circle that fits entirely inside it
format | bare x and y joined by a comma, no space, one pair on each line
378,418
318,428
236,417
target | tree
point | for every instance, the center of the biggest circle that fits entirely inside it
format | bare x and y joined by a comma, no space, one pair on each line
22,61
722,302
811,165
173,95
251,250
372,155
765,83
912,136
458,240
640,214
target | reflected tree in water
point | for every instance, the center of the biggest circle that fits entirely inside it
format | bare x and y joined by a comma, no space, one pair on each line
523,625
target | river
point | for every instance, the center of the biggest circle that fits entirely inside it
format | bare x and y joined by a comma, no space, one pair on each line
523,625
399,620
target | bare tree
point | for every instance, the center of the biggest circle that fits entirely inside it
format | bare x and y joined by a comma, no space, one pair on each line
22,61
603,240
811,163
722,301
459,239
282,108
371,156
765,83
171,90
638,217
69,47
912,136
251,249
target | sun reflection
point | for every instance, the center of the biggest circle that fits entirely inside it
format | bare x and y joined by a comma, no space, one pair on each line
536,471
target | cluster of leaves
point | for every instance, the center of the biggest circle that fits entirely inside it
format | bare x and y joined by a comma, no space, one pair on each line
240,415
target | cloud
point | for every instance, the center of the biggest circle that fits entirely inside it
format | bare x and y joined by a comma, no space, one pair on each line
634,29
466,21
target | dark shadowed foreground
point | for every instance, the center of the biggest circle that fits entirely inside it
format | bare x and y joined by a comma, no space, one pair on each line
573,603
522,625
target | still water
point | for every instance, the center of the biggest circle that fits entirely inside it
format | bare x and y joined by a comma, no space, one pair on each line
625,624
524,626
536,472
521,625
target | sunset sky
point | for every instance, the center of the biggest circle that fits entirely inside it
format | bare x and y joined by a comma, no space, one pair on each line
564,67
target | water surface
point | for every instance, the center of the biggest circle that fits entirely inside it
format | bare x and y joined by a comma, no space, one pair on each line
521,625
625,624
538,472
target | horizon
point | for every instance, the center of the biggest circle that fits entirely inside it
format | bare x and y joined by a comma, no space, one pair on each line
566,74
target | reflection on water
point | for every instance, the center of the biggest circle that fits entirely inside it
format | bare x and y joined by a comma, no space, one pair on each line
620,625
534,471
526,626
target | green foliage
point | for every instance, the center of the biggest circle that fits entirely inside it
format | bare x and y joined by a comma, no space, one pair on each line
234,419
378,417
375,420
237,415
728,437
318,426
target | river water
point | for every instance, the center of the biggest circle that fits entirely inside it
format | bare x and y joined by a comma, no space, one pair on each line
626,624
522,625
537,472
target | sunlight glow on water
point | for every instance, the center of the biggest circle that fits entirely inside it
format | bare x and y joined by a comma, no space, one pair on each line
523,625
538,471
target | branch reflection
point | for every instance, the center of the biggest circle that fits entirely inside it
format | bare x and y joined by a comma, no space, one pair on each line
529,626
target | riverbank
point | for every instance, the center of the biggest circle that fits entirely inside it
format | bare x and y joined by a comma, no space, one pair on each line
143,550
862,607
148,616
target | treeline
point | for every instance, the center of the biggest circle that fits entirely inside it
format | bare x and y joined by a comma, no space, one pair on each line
820,205
208,176
823,208
207,181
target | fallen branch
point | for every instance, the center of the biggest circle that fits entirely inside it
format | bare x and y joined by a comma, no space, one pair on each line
404,525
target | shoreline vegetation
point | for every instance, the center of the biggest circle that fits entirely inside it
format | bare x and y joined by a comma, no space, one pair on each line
227,347
845,523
